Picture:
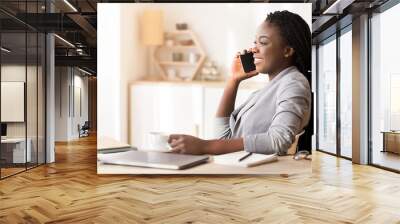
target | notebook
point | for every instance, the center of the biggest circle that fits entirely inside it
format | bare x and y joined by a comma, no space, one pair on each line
255,159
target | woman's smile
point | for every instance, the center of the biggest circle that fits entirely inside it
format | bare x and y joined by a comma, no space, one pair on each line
257,60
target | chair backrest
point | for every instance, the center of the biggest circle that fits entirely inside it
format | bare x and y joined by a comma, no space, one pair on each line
86,125
305,141
293,148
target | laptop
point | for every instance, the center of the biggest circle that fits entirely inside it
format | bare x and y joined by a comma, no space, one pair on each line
161,160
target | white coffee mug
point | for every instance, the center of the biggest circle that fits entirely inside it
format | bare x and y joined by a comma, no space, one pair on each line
158,141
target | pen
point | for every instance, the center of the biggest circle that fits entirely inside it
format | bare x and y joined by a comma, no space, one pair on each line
244,157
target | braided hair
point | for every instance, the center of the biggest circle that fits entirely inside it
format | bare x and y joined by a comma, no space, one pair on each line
296,33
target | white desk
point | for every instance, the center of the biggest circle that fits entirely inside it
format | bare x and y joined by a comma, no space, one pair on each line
285,165
18,150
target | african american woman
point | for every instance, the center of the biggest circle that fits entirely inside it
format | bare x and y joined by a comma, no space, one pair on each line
271,117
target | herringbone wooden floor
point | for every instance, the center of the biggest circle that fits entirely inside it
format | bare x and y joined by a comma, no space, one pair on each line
70,191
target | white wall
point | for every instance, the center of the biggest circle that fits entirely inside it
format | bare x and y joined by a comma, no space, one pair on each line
222,29
132,62
61,104
79,117
82,82
66,121
109,71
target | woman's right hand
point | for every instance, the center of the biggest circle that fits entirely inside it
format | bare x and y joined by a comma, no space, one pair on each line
238,73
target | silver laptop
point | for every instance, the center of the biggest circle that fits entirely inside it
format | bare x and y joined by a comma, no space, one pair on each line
160,160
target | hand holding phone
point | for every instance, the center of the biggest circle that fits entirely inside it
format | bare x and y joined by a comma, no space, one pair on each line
243,66
247,60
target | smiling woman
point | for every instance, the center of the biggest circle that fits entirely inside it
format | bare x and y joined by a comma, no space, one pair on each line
271,117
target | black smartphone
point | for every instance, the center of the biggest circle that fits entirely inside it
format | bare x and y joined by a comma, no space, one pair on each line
247,60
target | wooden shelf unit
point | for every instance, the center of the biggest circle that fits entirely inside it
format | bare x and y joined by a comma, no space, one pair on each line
181,67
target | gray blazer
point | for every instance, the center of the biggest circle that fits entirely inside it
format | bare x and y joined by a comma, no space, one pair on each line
271,117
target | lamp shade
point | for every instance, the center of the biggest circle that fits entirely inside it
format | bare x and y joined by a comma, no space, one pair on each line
152,29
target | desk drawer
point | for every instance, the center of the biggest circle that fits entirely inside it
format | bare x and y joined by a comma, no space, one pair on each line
15,153
6,154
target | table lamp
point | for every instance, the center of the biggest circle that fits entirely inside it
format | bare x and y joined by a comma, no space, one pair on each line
152,33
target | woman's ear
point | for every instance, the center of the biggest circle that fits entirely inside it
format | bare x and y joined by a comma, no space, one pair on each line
289,51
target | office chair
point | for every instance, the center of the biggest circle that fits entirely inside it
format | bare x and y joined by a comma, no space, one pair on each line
305,140
84,130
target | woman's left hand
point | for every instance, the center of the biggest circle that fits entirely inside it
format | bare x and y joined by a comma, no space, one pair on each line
187,144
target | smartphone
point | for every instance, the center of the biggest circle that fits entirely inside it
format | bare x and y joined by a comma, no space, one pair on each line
247,60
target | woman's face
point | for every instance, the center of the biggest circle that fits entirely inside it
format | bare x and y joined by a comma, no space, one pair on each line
269,49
